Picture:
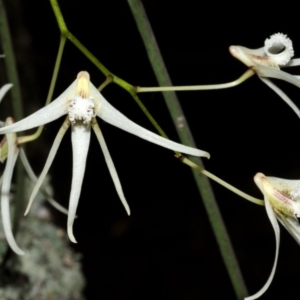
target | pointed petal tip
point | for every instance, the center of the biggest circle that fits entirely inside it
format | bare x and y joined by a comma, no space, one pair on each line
21,252
71,235
258,179
4,89
13,245
207,155
233,50
200,153
196,152
28,206
259,176
125,204
128,211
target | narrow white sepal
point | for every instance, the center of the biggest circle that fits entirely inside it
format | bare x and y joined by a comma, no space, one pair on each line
81,135
48,163
112,116
4,89
293,63
110,165
272,217
47,114
291,225
5,190
34,179
281,94
278,74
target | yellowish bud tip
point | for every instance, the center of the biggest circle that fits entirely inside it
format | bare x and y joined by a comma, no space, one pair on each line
233,51
281,193
83,84
9,121
258,179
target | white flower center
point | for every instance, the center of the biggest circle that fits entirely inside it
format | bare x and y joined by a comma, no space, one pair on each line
81,109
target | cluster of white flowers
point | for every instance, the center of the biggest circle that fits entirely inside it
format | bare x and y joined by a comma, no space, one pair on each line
282,196
82,103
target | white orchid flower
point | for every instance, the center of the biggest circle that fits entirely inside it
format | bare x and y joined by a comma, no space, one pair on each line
10,150
268,60
282,202
82,102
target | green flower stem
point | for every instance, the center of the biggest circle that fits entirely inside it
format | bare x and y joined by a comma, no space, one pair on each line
227,85
107,81
10,63
186,137
13,78
61,47
128,87
34,136
215,178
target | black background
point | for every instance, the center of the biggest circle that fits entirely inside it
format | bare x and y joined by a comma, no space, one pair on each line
166,247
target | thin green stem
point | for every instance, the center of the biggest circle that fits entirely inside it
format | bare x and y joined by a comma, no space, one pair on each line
34,136
108,80
147,113
186,137
220,181
61,47
122,83
236,82
65,32
10,62
59,17
12,73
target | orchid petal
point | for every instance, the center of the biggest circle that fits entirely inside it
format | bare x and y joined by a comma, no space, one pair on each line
288,207
112,116
110,165
10,163
81,135
278,74
281,94
293,63
272,217
291,225
34,179
4,89
49,161
47,114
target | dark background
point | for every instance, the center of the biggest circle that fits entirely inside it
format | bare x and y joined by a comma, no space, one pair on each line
166,247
